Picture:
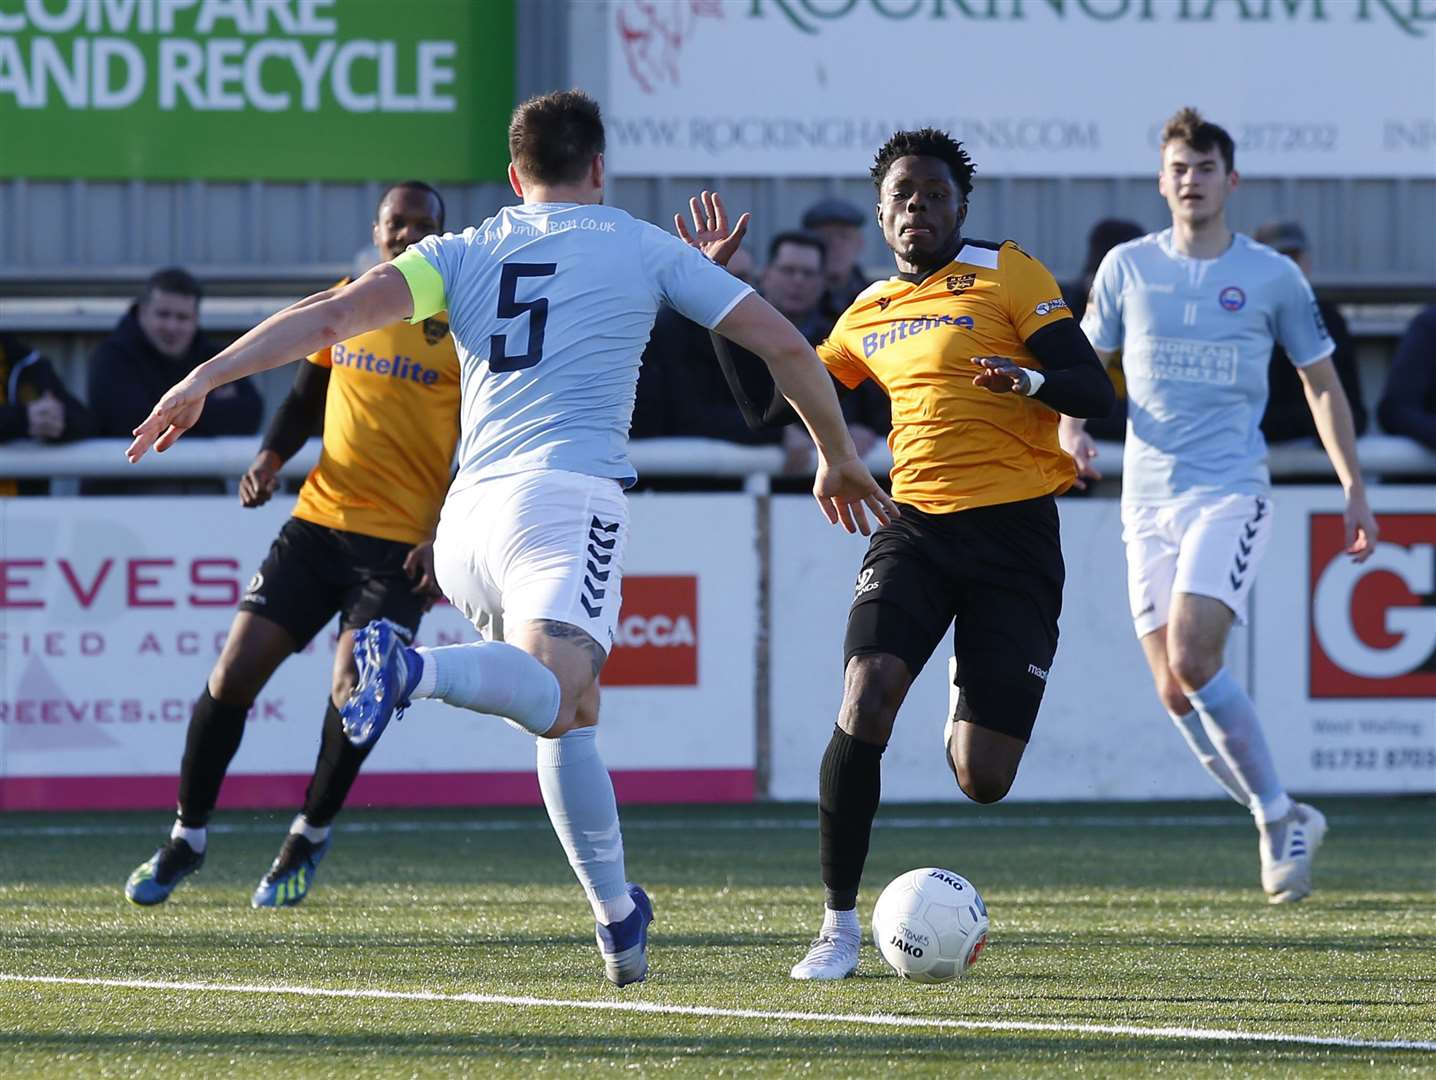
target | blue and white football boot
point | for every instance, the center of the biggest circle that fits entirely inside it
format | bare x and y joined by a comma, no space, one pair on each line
153,881
292,875
624,945
388,672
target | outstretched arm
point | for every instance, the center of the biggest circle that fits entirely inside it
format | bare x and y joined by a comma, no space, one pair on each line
376,299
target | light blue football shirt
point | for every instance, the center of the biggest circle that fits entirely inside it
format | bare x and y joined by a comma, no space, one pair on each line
550,306
1196,338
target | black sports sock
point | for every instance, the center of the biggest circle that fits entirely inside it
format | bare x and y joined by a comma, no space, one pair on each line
215,730
334,772
849,786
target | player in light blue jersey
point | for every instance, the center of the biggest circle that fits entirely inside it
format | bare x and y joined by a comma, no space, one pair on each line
550,304
1194,310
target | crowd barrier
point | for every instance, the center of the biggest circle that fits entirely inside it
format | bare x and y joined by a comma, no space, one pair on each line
725,677
228,457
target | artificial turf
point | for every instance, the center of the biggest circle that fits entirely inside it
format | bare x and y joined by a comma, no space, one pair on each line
1147,916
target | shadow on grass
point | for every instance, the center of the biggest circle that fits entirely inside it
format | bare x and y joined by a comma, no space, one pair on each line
853,1048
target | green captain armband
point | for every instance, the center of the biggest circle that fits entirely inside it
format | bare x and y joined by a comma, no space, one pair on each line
425,284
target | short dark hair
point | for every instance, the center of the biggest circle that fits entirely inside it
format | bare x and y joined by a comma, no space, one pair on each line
172,279
803,239
413,185
1105,235
926,142
554,138
1187,125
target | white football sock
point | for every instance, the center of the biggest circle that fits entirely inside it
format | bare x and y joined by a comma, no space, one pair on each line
578,795
195,838
844,922
1231,722
1196,735
315,834
496,678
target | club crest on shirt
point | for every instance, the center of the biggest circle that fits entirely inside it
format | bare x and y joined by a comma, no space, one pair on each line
1232,298
435,330
883,302
957,284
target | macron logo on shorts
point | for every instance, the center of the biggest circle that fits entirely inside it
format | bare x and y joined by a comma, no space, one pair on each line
865,583
1041,673
602,538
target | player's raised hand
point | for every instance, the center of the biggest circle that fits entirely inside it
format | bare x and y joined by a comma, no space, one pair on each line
1073,437
1001,375
711,234
1362,531
172,416
844,489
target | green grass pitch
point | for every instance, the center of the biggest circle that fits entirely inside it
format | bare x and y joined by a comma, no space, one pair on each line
1140,917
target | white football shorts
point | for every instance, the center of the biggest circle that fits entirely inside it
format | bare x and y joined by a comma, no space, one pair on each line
1206,546
543,544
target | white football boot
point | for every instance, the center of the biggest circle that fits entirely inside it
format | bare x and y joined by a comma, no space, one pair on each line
833,954
1287,849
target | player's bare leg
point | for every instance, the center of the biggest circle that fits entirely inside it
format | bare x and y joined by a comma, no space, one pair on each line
983,761
255,647
1195,643
849,787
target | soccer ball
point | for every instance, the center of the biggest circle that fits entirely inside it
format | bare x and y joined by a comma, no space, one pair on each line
930,925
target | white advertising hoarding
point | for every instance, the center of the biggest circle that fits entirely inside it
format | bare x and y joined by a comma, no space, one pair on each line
1032,87
113,611
1341,660
1345,651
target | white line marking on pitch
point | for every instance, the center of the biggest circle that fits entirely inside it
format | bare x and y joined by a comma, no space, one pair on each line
971,821
865,1019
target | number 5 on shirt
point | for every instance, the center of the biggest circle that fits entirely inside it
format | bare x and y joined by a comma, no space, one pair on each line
510,307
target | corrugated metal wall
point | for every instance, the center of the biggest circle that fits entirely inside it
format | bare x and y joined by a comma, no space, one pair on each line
1366,232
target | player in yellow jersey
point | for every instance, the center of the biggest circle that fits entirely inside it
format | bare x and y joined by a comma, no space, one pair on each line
358,545
973,344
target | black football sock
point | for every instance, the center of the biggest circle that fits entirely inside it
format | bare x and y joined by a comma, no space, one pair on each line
849,786
334,772
215,730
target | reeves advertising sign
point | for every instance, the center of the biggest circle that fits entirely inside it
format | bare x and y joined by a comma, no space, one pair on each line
1032,87
113,612
239,89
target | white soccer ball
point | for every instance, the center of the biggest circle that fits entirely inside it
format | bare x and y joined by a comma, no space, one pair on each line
930,925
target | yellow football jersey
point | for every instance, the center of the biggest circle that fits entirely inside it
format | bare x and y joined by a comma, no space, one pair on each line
391,420
955,445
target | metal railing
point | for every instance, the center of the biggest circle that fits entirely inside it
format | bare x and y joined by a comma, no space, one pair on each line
227,458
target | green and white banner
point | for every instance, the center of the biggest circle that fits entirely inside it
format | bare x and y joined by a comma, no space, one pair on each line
255,89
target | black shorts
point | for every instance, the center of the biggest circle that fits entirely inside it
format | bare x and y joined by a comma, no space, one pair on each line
995,574
313,572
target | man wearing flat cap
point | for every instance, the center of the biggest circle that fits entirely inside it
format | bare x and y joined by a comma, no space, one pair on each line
840,225
1287,414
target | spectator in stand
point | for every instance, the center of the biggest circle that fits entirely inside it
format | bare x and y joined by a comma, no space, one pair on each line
681,391
155,345
1288,417
1103,237
1408,403
840,226
34,403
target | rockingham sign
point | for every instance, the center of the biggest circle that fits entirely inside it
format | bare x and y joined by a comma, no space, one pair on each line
1033,87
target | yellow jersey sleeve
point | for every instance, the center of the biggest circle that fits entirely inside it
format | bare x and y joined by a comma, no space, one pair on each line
840,361
1033,296
426,285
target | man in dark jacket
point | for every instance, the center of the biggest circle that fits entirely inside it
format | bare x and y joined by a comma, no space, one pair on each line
156,344
1288,416
1408,403
34,403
